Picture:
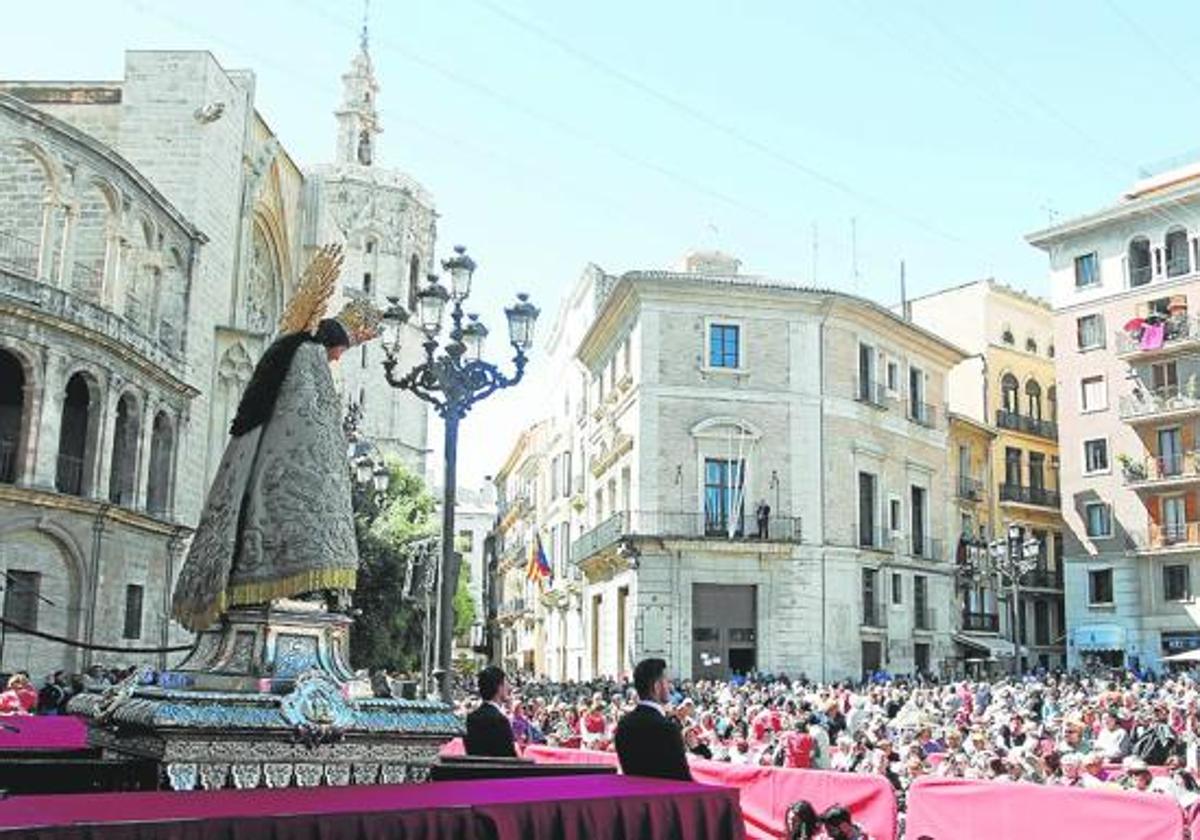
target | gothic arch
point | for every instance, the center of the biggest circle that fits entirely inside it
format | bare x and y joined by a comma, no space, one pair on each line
263,297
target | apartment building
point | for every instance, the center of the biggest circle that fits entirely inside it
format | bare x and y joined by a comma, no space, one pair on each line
1006,387
1122,280
541,492
765,481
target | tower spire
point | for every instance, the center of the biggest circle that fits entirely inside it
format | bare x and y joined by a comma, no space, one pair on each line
358,121
362,41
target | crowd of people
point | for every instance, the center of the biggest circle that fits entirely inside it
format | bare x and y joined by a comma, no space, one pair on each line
1061,729
22,697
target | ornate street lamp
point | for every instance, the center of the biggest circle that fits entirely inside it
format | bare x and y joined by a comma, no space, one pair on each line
1014,559
452,381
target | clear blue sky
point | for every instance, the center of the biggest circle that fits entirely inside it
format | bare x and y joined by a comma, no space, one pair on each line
557,133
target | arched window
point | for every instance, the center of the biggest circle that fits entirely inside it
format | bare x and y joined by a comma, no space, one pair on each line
1139,261
1177,252
414,276
1050,350
162,446
1052,402
12,411
74,452
1033,399
368,287
123,476
1009,399
1031,344
1007,336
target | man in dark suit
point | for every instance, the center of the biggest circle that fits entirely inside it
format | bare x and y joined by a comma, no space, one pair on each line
488,730
648,742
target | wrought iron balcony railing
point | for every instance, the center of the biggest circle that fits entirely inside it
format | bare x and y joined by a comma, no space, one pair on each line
673,524
1037,496
1024,423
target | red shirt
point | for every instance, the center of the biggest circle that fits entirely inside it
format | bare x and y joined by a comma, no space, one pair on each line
798,749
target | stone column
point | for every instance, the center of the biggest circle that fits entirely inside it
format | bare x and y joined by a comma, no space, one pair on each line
45,258
141,491
102,464
66,259
46,421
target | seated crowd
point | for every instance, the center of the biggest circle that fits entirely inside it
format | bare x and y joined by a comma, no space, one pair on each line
21,697
1060,729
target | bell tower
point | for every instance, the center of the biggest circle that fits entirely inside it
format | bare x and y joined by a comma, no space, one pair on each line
357,119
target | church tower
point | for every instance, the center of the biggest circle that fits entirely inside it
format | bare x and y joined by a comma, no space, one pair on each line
358,121
386,222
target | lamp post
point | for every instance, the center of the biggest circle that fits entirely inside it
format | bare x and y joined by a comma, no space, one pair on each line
369,471
452,381
1013,559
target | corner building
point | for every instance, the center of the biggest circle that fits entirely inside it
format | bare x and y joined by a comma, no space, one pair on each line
1125,284
711,393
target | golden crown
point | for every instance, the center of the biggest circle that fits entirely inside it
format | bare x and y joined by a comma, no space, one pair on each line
361,320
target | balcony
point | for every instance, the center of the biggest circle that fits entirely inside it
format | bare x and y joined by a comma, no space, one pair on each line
69,475
874,394
1173,535
1180,332
1160,404
1028,425
1157,472
980,622
874,615
1033,496
675,525
969,489
922,413
925,548
19,285
1043,579
512,608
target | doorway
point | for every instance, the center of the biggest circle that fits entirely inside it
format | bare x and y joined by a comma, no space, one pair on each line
724,630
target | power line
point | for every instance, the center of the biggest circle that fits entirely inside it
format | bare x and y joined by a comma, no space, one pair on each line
715,124
998,72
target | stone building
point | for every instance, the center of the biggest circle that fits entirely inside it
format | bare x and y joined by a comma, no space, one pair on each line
711,395
1008,385
553,483
387,225
150,230
1130,472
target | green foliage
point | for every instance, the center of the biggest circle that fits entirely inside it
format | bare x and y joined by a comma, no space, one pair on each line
387,633
464,606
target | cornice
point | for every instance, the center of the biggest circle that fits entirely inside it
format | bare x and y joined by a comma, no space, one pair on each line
116,348
47,500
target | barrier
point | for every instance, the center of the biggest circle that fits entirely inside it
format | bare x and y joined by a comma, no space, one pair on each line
43,733
766,793
949,809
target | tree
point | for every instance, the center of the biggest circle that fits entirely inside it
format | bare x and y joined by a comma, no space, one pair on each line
387,631
464,605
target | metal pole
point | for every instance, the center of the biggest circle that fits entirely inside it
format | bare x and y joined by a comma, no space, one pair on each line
449,565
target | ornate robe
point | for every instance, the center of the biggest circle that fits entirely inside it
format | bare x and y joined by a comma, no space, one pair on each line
277,521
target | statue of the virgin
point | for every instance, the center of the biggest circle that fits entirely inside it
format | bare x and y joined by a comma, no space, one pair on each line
277,522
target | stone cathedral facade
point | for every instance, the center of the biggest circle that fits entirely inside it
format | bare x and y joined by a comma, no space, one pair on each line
150,230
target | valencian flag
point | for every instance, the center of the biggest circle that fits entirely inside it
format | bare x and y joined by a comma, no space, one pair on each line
538,567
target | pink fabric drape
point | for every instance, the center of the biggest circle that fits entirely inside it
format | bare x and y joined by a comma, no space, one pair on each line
766,793
1152,336
948,809
33,733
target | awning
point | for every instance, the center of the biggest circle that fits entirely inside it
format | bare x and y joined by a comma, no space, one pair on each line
1100,637
993,646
